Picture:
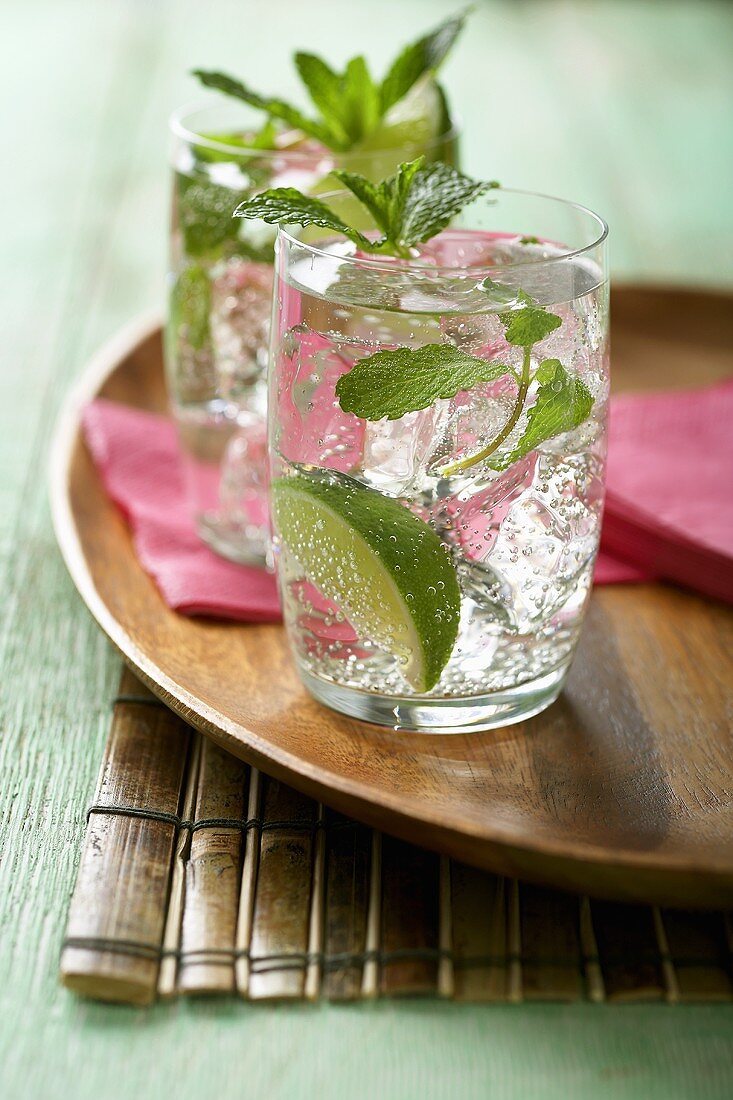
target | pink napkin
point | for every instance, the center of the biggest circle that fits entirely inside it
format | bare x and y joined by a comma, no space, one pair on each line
136,454
669,496
669,508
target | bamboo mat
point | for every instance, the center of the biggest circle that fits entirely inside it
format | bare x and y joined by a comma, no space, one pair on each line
200,875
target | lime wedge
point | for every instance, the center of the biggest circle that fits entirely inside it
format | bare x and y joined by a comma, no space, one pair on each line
385,568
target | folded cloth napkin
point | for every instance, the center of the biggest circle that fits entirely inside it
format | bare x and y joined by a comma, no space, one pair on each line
137,456
669,508
669,488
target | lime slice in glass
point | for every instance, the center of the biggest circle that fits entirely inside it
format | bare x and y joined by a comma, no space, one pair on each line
410,128
383,566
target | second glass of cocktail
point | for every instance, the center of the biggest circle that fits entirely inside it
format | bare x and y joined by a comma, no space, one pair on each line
221,269
437,439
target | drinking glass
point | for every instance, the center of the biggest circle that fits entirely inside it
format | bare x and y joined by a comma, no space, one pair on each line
220,291
435,568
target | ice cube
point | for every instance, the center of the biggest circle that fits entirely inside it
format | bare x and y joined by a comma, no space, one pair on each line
240,324
396,452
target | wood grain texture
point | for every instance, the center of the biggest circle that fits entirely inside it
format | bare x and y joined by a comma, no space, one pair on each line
478,903
409,919
615,100
622,931
552,967
348,858
213,874
121,892
621,789
280,927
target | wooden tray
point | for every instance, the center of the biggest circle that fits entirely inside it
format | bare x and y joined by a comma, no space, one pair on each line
621,789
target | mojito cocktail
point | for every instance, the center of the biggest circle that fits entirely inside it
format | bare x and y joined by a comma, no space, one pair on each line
437,436
220,282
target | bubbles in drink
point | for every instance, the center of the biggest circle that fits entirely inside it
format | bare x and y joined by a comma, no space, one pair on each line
523,538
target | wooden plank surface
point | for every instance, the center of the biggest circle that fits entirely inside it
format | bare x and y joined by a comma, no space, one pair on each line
623,105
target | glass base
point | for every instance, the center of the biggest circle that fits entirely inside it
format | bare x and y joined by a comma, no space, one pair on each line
422,714
247,546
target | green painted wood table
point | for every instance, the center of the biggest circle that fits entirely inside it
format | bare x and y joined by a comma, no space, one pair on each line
624,106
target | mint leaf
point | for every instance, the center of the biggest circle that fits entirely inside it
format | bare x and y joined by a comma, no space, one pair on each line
528,325
385,201
191,306
204,215
287,206
409,206
352,105
325,89
437,193
392,383
348,101
416,202
563,402
361,111
276,108
421,57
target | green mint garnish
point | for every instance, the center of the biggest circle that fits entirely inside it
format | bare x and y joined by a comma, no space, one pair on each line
529,240
416,202
204,215
563,402
275,108
352,104
288,206
409,207
191,306
424,56
528,325
392,383
348,101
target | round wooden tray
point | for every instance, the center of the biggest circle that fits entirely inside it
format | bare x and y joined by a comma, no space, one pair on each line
621,789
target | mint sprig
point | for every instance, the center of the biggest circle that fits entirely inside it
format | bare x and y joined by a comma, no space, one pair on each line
352,104
563,402
408,207
349,102
191,306
424,56
288,206
275,108
392,383
528,325
204,215
416,202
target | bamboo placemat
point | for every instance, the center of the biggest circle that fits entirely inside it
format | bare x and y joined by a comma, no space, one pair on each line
200,875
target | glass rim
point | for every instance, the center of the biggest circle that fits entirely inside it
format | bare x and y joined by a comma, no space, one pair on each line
377,263
177,124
